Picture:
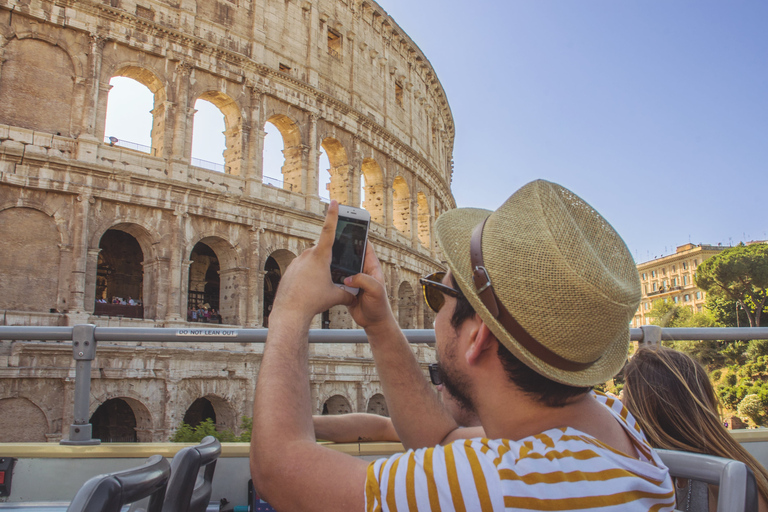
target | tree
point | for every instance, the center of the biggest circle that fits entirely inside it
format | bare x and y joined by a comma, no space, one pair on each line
752,407
740,274
723,312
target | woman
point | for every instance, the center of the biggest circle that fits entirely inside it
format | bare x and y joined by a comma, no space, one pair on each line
672,398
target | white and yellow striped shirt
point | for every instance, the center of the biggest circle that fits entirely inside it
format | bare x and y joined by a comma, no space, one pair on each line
560,469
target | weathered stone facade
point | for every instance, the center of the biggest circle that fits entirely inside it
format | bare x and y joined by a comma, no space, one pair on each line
82,219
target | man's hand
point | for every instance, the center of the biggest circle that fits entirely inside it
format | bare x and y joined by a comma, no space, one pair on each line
370,309
306,288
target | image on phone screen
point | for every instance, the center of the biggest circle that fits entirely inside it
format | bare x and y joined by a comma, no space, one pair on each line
348,248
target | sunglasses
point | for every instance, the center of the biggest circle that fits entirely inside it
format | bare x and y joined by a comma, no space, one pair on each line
435,375
435,291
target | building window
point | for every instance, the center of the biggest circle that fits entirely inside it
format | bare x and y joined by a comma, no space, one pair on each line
399,93
685,265
698,295
645,287
334,44
686,298
685,280
674,267
647,306
676,299
664,271
654,286
644,276
664,283
674,281
695,263
698,308
653,273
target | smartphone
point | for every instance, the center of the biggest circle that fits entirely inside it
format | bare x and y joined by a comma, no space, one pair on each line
348,251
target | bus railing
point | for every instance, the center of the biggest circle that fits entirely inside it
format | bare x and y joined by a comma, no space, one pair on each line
85,337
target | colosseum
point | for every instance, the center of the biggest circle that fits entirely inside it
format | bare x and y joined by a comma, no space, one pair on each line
87,219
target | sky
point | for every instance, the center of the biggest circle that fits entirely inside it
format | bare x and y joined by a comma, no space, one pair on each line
653,111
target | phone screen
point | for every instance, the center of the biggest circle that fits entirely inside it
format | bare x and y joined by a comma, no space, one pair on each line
348,248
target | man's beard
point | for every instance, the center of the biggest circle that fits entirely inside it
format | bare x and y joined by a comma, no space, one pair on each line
455,384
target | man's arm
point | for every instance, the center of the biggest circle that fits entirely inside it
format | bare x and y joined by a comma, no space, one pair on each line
288,468
418,416
351,428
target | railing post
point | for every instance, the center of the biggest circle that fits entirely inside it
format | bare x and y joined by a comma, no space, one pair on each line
84,351
651,335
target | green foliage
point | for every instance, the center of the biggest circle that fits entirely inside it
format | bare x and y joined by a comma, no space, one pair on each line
730,379
706,352
756,349
734,352
739,274
723,312
716,375
188,434
752,407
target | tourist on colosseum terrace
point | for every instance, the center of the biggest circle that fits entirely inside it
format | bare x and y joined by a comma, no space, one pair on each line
533,311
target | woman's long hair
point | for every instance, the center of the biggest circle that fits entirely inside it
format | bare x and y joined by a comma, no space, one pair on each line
672,398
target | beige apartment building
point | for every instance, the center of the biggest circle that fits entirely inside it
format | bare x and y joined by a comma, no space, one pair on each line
672,278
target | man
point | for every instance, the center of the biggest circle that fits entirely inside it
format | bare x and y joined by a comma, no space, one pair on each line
533,312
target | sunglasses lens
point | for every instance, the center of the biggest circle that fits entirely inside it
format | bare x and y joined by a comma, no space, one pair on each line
434,375
432,295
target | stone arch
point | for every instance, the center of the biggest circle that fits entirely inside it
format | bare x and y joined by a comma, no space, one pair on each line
401,205
339,187
214,267
38,86
119,272
337,404
156,86
423,217
293,150
22,411
211,406
274,267
233,132
149,268
377,404
406,306
374,189
121,420
29,260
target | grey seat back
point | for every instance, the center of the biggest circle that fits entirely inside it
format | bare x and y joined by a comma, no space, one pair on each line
108,493
737,486
186,492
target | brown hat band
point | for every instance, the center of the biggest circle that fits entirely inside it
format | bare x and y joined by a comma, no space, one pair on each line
487,295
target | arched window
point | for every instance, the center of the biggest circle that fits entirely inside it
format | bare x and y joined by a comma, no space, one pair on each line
129,114
289,144
406,310
372,193
119,276
401,206
204,281
337,404
208,139
114,422
200,410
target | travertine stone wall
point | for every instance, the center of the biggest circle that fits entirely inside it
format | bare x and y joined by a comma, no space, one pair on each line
367,96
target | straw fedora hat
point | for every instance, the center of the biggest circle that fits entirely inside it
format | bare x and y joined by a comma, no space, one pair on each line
553,281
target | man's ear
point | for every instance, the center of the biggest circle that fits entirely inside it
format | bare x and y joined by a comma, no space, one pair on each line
482,341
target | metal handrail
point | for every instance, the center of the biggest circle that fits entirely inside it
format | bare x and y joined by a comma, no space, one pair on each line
85,337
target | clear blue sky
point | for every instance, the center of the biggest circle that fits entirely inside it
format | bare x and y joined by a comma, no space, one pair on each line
653,111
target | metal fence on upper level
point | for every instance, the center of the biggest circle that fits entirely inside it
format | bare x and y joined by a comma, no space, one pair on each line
85,338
